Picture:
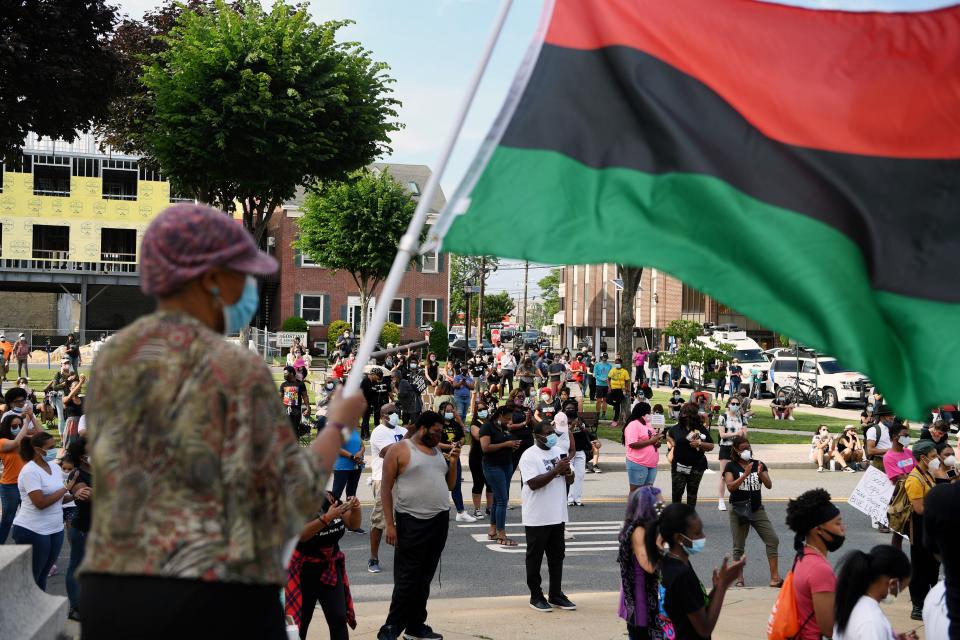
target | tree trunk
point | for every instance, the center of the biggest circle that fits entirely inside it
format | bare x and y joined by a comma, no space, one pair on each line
364,304
627,320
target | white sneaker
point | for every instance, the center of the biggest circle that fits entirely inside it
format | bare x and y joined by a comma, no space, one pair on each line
776,417
791,418
465,517
819,469
721,505
370,481
567,535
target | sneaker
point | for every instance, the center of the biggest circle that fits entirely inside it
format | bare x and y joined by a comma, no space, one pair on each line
597,469
588,468
360,530
388,633
776,417
916,613
540,604
373,566
567,535
791,418
423,633
510,507
579,503
487,511
562,602
849,470
73,614
463,516
819,469
370,481
721,505
570,503
53,571
477,514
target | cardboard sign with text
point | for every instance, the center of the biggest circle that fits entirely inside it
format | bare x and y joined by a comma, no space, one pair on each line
872,495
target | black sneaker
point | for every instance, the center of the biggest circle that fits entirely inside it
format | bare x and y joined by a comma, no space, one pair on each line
423,633
73,614
562,602
388,633
917,613
373,565
541,605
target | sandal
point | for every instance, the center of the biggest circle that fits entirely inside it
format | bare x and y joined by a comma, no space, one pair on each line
491,536
739,583
776,585
506,542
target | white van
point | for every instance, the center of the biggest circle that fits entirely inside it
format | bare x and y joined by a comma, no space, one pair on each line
745,349
836,382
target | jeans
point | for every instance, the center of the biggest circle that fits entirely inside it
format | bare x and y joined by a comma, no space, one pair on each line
579,464
734,386
348,479
10,502
639,475
546,539
686,481
75,363
457,492
462,403
756,391
507,380
498,477
23,368
420,544
46,549
78,546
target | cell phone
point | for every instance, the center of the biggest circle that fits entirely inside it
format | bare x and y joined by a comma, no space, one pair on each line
563,456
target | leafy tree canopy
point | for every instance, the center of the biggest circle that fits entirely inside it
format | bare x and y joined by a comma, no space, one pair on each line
466,270
438,340
57,72
550,292
689,350
245,105
495,306
295,323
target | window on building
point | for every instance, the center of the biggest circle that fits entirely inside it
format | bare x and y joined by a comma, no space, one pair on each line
51,176
429,262
119,180
428,311
118,245
86,167
51,242
414,188
692,301
149,175
179,196
396,312
311,309
307,261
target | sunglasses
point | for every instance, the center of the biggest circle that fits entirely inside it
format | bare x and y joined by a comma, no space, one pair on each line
734,404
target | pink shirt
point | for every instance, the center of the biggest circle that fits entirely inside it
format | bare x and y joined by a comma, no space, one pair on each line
647,456
813,574
898,464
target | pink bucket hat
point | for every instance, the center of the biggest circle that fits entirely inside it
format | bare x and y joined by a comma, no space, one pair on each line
187,239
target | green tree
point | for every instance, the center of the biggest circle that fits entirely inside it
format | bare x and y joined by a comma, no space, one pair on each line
244,105
438,340
550,293
355,226
390,334
495,306
295,323
57,72
691,351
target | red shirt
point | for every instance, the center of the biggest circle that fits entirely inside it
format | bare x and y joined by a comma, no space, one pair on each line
578,369
813,574
338,371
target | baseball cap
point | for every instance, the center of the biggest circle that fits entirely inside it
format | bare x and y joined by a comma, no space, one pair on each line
187,239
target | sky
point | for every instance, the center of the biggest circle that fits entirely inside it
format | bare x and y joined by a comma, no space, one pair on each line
432,47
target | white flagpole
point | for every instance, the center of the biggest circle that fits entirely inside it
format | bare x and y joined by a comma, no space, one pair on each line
410,242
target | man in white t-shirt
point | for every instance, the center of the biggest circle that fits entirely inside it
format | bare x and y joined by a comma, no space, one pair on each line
385,435
545,474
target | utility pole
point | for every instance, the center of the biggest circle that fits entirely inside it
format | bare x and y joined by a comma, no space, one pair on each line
526,273
483,280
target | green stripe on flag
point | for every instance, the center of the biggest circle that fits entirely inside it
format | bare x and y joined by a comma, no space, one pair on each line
786,270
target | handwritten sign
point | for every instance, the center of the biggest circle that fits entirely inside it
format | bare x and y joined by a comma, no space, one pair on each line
872,495
657,420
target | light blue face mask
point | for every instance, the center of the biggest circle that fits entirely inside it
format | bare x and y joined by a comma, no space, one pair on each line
448,416
238,315
50,455
482,414
15,431
696,546
552,440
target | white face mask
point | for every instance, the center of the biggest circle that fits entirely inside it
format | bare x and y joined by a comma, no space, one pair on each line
934,464
394,419
950,461
904,440
746,455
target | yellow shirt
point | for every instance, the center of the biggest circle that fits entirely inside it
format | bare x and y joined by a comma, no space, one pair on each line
618,379
918,484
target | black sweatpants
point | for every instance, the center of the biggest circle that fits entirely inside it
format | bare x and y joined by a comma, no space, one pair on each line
372,414
689,482
419,547
924,568
546,539
331,599
155,608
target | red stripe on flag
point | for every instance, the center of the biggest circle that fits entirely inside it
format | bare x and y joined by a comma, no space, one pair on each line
866,83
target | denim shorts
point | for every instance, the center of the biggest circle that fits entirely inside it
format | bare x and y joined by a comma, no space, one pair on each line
639,475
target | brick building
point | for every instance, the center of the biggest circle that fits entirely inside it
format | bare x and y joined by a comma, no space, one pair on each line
588,307
320,296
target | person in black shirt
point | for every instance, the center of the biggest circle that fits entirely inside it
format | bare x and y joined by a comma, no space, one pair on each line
691,612
520,425
745,477
76,464
317,573
936,432
498,446
376,391
481,414
293,393
676,401
689,440
453,436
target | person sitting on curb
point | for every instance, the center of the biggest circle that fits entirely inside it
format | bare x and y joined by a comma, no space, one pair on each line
781,408
848,450
821,447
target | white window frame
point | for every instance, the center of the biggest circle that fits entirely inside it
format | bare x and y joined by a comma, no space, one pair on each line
303,297
414,188
436,262
423,312
307,262
390,313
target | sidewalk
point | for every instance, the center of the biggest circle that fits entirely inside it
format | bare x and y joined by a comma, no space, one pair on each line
775,456
744,615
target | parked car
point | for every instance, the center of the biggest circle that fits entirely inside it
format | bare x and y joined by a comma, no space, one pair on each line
486,346
507,335
836,382
461,351
453,337
532,339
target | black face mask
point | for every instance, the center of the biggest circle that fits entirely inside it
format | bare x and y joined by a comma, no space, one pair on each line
571,414
835,542
430,440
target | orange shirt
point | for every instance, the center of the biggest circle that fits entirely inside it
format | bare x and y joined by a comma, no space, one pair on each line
12,463
7,347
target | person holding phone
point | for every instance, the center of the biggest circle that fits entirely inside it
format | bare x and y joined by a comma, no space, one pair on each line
498,446
317,573
453,436
545,476
521,424
689,440
347,470
643,447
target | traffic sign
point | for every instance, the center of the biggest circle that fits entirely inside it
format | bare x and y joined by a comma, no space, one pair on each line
471,289
495,325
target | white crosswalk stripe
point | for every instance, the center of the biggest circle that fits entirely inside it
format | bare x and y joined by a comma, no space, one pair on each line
588,537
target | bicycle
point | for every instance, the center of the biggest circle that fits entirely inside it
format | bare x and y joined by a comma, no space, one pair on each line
805,392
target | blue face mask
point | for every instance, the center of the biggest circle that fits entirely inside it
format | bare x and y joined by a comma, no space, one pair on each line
50,455
696,546
448,416
238,315
552,440
14,431
482,414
